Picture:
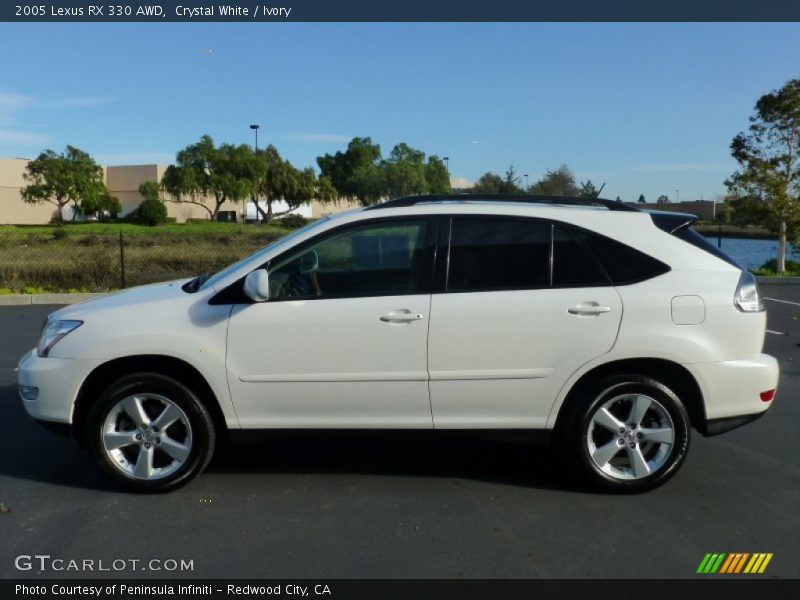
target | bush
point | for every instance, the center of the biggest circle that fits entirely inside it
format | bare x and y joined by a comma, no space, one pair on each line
150,212
293,221
792,266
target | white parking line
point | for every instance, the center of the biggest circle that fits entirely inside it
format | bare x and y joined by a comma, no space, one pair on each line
783,301
776,332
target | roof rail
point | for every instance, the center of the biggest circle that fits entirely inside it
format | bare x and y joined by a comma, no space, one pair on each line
525,198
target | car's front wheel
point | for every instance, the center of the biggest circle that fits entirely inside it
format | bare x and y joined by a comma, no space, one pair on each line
150,433
628,433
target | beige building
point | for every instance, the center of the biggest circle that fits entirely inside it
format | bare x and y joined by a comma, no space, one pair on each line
123,182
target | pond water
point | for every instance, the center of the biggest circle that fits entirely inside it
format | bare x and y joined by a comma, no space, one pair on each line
752,253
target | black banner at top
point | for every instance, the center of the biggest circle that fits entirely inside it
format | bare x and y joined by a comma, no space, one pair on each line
397,10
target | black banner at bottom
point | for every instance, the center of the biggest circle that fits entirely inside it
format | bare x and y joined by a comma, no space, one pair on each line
733,588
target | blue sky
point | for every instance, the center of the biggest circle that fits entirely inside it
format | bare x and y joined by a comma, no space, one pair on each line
646,108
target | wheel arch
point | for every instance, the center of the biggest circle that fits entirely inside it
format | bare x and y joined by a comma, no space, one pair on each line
672,374
103,375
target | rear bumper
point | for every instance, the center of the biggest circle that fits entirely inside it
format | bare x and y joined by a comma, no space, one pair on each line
732,390
717,426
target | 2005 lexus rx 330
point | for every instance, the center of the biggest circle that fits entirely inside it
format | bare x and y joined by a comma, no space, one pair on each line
611,331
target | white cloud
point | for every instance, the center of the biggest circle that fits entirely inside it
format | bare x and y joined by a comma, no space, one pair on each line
10,104
316,138
17,137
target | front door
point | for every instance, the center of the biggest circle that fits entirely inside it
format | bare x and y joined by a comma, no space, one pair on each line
342,341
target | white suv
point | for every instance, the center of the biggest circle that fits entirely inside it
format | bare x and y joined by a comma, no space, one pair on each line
609,330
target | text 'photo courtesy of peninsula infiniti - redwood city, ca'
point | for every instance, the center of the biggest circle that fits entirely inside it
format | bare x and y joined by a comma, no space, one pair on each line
609,331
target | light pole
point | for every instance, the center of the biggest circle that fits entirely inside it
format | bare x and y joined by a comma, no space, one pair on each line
526,182
446,160
677,195
254,127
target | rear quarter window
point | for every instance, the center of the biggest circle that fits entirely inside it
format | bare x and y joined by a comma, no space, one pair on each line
623,264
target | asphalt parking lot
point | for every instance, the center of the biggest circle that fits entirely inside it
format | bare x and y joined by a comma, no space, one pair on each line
406,505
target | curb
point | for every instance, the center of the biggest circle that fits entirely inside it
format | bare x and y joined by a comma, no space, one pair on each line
29,299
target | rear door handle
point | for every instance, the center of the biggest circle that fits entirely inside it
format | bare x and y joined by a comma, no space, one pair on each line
588,309
401,315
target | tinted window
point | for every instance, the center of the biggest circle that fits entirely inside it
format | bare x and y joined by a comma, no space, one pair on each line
687,234
380,259
573,264
622,263
497,254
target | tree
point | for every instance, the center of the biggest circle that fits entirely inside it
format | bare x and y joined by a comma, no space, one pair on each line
280,180
489,183
403,173
71,177
203,170
355,173
662,199
560,182
99,204
511,182
767,185
587,190
152,210
641,199
437,176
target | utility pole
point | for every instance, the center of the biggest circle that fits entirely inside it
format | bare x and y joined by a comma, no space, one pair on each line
255,128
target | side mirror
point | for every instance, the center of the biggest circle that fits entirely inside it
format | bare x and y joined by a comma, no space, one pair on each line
256,285
309,262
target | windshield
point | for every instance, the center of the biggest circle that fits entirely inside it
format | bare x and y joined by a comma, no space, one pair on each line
220,275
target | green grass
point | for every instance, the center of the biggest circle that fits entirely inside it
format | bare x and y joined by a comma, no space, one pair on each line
728,230
209,227
87,258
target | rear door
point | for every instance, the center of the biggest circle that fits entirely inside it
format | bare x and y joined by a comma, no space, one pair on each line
524,305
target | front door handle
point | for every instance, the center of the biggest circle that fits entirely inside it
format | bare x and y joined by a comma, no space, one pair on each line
588,309
401,315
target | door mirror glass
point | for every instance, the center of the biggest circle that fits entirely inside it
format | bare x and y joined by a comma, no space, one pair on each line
309,262
256,285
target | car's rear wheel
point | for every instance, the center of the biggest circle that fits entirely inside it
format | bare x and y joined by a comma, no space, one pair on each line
628,433
150,433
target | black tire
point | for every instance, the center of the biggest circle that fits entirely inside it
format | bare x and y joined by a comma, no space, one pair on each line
201,434
579,427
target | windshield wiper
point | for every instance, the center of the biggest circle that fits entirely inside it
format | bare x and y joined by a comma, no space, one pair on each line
190,287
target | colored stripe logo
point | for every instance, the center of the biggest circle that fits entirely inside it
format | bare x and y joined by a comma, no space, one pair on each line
733,563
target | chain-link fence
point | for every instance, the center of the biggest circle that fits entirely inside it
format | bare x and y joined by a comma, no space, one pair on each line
60,260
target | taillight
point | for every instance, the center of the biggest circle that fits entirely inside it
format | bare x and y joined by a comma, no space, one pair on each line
767,396
748,297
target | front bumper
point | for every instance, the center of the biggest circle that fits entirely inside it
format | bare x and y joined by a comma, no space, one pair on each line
57,380
732,390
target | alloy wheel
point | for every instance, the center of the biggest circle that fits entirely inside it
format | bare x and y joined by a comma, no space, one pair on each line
630,436
147,436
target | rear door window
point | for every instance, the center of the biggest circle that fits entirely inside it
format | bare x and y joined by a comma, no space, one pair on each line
573,263
498,254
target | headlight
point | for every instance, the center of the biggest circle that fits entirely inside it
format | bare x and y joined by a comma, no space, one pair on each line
52,333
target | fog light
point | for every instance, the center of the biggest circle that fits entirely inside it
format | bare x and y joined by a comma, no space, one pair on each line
29,392
767,396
